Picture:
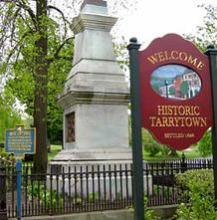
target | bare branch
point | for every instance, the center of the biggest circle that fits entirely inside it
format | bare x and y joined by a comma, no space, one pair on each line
19,43
58,10
62,15
29,10
56,54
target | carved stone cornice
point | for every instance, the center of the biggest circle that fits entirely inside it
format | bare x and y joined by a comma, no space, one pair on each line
93,21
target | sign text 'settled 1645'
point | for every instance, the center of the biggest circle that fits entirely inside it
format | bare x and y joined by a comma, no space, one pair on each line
175,91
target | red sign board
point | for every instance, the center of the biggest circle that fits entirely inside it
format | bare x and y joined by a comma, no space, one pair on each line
175,91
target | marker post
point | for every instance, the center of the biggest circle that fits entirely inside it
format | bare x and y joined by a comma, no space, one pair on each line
19,188
20,141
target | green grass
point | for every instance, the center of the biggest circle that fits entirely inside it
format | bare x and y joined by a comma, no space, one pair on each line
189,154
55,149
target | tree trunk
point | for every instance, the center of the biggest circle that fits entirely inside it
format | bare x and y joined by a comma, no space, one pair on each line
41,79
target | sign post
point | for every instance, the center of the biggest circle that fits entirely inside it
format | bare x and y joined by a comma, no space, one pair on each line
138,185
20,141
19,188
212,53
176,85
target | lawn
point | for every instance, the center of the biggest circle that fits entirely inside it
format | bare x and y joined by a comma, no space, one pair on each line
54,150
191,153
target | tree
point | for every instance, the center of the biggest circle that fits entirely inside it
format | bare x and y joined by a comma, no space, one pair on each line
25,46
184,88
206,33
32,40
151,146
9,116
205,145
172,90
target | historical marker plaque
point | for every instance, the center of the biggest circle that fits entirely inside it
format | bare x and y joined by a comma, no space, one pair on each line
175,91
20,141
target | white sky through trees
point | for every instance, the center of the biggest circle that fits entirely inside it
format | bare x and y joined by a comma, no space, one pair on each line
155,18
148,19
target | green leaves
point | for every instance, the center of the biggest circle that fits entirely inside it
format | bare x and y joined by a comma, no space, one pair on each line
205,145
9,116
200,192
207,32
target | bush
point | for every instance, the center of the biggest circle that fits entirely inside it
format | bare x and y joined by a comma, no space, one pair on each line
205,145
149,214
200,191
151,146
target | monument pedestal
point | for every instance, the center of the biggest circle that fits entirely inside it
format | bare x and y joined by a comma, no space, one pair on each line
95,97
93,156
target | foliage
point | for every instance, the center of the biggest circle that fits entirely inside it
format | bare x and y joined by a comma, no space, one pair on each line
184,88
50,198
6,158
149,213
33,42
22,83
200,191
151,146
54,150
9,116
172,91
206,34
205,145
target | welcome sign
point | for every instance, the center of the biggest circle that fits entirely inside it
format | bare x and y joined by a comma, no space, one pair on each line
176,96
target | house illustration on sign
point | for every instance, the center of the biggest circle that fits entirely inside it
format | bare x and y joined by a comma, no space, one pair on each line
176,82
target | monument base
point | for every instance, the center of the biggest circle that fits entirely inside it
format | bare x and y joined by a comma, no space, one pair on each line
93,156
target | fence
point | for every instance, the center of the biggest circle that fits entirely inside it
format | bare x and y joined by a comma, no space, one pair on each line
94,188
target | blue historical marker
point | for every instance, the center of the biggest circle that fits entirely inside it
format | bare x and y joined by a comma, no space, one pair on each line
20,141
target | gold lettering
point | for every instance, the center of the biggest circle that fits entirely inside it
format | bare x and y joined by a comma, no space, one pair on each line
182,121
153,119
188,122
161,56
203,122
183,56
192,60
181,110
158,123
171,122
166,55
196,121
153,59
196,110
165,122
176,121
174,55
200,65
160,109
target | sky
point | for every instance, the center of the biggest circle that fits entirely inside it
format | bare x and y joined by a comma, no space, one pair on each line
169,71
155,18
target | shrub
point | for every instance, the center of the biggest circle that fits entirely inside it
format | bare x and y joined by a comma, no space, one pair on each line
149,214
200,191
151,146
205,145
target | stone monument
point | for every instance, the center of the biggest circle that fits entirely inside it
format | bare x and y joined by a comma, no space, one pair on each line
96,95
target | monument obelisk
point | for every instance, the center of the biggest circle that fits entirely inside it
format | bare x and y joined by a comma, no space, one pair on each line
96,95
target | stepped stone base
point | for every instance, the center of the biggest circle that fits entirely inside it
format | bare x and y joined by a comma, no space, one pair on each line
93,156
